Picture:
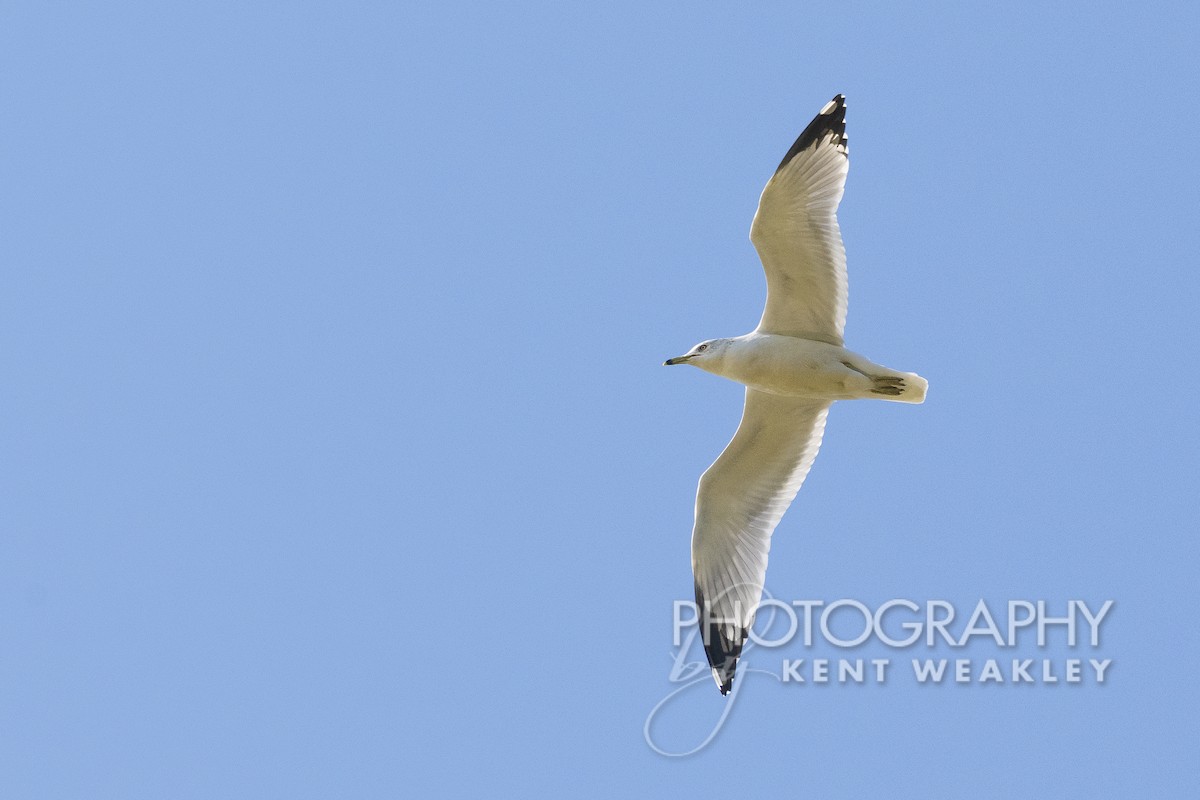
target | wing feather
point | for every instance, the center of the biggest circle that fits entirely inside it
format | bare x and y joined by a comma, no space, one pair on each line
740,500
796,233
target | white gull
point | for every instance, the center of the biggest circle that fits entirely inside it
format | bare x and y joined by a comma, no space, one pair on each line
794,365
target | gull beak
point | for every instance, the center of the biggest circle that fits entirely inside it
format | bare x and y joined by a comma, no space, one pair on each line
670,362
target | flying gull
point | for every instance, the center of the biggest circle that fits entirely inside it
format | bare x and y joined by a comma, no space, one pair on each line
793,365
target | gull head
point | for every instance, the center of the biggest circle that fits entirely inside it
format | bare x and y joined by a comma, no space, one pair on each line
705,354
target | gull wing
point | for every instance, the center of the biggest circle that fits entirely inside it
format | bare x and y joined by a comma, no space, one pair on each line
741,499
796,233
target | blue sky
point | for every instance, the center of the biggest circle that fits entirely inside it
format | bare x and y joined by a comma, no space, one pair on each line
339,457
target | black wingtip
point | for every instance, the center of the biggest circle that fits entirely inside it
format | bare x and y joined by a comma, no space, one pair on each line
830,120
722,653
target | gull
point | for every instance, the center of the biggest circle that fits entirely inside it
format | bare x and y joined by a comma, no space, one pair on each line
793,365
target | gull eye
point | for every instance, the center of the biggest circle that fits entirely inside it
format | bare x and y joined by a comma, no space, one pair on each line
701,348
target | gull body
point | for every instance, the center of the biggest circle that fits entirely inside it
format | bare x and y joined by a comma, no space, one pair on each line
794,365
804,368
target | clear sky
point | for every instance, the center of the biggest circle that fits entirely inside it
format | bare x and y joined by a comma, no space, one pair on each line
338,456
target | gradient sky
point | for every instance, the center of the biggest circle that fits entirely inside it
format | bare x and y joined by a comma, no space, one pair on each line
339,460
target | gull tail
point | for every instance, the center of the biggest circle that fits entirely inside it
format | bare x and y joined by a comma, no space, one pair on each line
899,387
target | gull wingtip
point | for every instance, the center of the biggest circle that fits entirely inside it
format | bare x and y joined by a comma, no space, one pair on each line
829,125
